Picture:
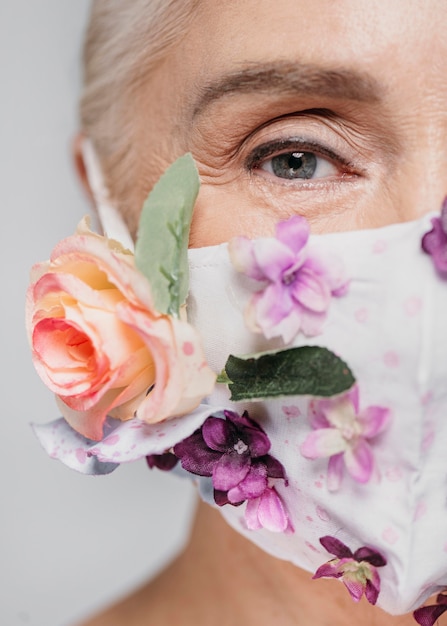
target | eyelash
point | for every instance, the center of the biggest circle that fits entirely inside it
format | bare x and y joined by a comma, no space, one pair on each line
262,153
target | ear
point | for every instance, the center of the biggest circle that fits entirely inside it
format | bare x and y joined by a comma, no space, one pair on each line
78,161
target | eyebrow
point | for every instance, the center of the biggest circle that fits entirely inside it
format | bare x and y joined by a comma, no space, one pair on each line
291,79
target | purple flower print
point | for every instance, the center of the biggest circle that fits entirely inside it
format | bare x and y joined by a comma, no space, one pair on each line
234,452
357,570
435,241
344,434
299,284
428,615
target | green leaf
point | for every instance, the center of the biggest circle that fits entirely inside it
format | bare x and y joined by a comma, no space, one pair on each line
309,370
161,251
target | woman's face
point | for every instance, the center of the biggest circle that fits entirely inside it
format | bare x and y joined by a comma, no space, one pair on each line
332,109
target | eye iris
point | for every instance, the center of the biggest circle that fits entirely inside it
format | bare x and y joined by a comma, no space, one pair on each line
294,165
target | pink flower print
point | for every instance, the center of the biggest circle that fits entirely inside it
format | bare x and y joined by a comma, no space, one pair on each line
267,511
298,284
357,570
343,433
435,241
428,615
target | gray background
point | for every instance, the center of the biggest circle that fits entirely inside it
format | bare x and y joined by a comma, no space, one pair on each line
68,543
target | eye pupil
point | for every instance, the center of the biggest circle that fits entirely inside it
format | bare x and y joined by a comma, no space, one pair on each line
294,165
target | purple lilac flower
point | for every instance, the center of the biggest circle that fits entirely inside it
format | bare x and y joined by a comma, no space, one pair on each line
428,615
299,284
234,452
435,241
343,433
357,570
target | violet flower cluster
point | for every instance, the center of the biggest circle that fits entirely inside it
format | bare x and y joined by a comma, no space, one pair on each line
234,451
299,283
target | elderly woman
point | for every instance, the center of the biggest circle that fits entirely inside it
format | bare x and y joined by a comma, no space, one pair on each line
334,112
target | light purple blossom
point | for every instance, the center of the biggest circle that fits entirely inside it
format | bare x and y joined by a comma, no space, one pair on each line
344,434
428,615
435,241
299,284
234,453
357,570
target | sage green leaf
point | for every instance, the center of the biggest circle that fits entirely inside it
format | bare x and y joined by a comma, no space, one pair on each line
309,370
161,251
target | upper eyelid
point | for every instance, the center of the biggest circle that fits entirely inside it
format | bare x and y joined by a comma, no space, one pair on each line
293,144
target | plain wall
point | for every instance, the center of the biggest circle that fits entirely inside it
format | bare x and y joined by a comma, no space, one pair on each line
69,543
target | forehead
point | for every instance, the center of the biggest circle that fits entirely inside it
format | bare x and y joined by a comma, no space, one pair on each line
379,37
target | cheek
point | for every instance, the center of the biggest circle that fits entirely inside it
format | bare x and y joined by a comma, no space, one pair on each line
238,207
224,211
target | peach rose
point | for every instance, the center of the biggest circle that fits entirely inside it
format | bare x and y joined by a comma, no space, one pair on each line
100,346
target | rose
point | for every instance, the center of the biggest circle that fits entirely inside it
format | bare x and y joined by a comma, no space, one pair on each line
100,346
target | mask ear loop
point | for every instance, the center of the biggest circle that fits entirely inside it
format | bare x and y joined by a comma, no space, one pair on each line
112,223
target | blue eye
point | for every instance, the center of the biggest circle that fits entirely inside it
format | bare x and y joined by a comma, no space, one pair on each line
298,165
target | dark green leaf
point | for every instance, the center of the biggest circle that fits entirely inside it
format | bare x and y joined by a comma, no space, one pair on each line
309,370
163,234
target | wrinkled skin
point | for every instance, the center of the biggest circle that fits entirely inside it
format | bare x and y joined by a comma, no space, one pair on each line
379,131
361,85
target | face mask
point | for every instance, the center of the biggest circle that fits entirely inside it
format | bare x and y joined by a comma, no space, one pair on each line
390,329
350,486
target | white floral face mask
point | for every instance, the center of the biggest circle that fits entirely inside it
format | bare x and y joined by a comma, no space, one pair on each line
366,469
330,452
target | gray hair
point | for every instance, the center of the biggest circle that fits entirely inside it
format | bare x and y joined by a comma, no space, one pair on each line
125,40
